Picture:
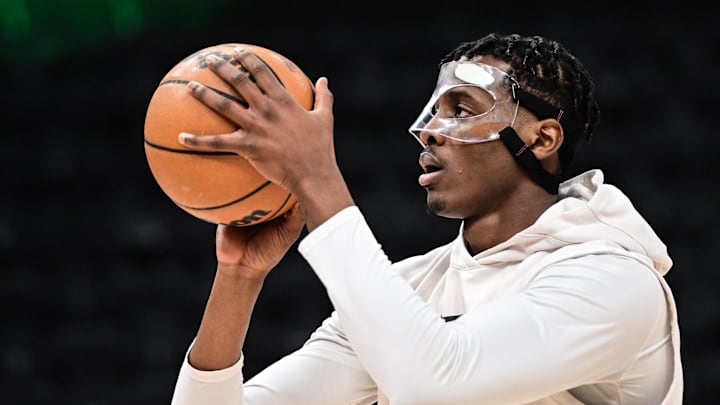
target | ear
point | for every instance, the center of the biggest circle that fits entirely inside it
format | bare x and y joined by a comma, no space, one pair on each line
548,138
544,138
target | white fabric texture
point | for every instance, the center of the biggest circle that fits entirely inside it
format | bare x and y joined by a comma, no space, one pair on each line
572,310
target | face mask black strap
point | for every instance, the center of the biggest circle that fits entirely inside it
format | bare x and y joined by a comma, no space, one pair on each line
521,151
542,109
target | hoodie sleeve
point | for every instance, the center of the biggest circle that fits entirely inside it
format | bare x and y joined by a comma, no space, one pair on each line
195,386
325,371
571,326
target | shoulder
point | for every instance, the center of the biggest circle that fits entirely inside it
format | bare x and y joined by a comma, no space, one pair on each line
608,289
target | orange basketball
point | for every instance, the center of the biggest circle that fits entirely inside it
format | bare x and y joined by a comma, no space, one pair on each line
217,187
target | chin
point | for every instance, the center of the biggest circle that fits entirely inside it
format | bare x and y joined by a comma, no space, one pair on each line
437,208
440,209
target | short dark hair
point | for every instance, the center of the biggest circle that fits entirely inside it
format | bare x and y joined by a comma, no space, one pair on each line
548,70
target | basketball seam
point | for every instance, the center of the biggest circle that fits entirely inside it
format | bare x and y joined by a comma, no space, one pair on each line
218,91
281,206
189,152
246,196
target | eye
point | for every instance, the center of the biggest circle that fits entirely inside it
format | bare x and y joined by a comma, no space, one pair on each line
461,112
451,110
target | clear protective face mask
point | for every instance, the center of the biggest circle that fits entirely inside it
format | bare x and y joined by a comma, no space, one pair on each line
471,103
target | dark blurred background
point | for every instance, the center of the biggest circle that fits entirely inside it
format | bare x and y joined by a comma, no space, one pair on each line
103,280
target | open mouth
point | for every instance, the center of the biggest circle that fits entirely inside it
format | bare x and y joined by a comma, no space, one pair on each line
430,168
429,163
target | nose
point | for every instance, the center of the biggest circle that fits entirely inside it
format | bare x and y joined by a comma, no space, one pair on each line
429,137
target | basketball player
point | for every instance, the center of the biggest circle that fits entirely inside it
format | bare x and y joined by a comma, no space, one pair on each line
551,293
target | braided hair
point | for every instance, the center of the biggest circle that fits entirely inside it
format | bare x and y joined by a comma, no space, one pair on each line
546,69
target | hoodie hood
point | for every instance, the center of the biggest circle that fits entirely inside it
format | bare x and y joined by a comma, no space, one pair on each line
609,210
589,213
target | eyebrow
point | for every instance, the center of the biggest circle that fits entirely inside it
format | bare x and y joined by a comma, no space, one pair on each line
461,93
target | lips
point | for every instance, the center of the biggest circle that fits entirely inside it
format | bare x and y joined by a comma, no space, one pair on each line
429,162
431,167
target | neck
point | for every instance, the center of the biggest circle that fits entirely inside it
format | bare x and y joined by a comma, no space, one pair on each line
483,232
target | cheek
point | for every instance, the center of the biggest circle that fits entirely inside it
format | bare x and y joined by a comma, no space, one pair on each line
484,160
487,172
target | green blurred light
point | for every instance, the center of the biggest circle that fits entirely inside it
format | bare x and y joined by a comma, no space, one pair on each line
127,16
16,23
41,31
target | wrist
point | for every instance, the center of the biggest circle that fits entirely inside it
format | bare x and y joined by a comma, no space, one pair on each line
320,198
237,273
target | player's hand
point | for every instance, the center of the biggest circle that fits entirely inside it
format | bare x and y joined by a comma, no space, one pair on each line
283,141
252,251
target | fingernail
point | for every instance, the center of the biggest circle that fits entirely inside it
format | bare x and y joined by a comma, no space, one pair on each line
193,85
184,136
239,50
212,59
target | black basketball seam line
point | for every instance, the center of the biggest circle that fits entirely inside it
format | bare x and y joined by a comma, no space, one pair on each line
312,87
218,91
189,152
273,214
246,196
281,205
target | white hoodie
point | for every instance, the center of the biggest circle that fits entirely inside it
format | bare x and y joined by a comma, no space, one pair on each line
572,310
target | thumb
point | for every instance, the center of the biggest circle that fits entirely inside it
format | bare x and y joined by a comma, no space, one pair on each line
323,96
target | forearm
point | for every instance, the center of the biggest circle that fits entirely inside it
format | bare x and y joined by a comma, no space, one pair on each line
225,322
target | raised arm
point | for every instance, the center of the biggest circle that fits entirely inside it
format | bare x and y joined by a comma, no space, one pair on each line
245,257
292,147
